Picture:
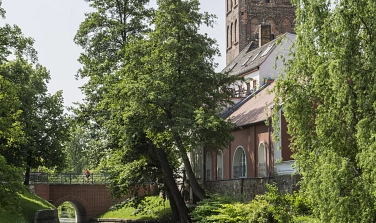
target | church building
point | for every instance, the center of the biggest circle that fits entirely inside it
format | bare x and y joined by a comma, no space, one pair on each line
257,31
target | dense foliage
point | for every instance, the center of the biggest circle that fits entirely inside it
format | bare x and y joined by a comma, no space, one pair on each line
32,123
10,180
103,36
153,208
328,96
271,207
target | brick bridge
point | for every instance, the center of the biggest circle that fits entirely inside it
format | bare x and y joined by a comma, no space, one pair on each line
89,199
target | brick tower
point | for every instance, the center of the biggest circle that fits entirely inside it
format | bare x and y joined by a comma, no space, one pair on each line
243,18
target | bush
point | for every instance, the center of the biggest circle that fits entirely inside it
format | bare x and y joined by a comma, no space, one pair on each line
272,207
211,206
230,213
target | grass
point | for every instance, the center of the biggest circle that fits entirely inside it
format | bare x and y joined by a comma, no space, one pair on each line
152,208
29,204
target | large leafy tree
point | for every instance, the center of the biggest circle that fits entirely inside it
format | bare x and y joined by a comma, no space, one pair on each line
42,120
11,133
169,78
328,96
33,123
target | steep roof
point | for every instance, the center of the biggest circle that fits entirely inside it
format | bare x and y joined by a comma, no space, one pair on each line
255,109
250,58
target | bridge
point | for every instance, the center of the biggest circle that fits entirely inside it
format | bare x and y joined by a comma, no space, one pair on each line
89,197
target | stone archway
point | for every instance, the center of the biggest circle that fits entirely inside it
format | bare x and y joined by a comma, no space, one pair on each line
81,207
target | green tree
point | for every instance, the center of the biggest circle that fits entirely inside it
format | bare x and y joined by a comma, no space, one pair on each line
170,83
41,119
170,77
11,132
39,116
329,102
12,43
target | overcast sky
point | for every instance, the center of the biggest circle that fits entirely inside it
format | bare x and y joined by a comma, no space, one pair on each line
53,24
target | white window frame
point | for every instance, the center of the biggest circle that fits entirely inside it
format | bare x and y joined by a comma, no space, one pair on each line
239,164
219,165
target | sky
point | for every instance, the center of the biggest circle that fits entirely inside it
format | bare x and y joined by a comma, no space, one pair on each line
53,24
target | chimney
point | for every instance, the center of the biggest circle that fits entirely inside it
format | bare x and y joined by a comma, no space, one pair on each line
264,35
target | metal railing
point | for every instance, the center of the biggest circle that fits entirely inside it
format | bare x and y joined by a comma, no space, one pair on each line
67,178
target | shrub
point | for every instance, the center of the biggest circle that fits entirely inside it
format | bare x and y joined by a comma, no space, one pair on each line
272,207
210,206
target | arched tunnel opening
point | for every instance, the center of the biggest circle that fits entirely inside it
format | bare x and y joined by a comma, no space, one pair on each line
79,216
67,212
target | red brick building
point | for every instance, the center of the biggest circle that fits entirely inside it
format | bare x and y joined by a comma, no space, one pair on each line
253,153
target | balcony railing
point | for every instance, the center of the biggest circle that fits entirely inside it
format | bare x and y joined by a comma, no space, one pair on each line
67,178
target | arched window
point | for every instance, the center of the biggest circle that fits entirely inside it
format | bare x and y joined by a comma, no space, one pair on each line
255,22
261,160
235,30
228,36
239,164
270,21
208,166
219,165
286,25
232,25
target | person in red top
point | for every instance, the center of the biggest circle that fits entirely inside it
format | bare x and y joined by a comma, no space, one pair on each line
87,174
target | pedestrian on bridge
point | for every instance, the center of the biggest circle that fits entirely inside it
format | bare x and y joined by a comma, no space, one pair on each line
87,174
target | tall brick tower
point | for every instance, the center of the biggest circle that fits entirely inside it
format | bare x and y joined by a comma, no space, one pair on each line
243,18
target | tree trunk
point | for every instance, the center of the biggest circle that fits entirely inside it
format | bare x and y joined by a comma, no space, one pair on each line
196,188
27,176
171,184
174,208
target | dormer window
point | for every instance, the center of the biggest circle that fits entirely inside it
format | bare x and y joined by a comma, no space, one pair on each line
246,61
267,50
231,67
254,58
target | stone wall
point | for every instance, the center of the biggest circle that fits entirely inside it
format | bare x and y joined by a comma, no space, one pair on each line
46,216
250,187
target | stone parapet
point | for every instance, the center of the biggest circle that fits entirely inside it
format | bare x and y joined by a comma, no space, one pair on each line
248,188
